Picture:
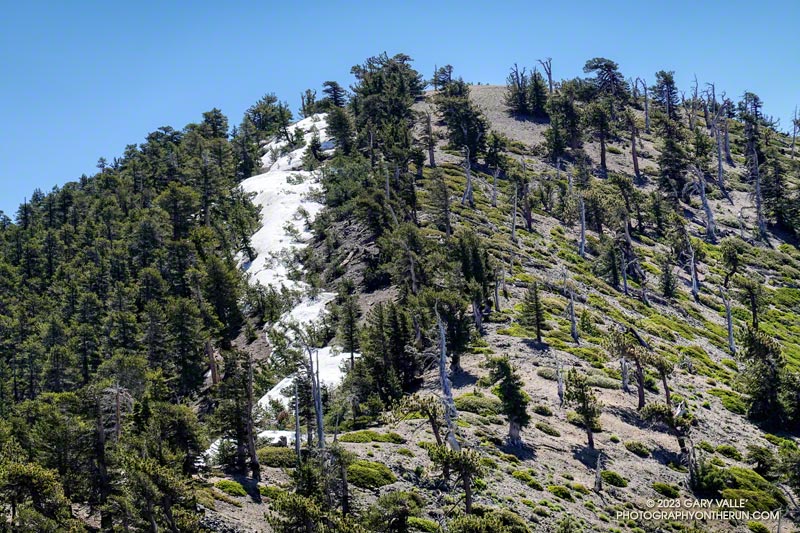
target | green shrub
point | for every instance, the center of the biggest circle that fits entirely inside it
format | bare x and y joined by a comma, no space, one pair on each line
577,420
665,489
367,435
271,492
478,403
706,446
561,492
579,488
369,474
416,523
757,527
405,451
730,400
548,429
729,451
230,487
612,478
547,373
527,478
637,448
277,456
614,439
603,382
543,410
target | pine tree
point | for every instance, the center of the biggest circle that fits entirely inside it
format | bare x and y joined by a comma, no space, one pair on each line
762,376
533,311
580,394
514,400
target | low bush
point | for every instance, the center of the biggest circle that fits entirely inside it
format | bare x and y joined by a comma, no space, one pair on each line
614,479
478,403
277,456
548,429
561,492
230,487
369,474
729,451
637,448
367,435
665,489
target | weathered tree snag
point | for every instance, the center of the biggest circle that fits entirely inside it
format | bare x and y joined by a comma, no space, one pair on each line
634,153
560,378
468,195
693,271
547,65
728,156
255,466
598,479
582,242
624,369
729,320
711,228
296,423
429,139
646,105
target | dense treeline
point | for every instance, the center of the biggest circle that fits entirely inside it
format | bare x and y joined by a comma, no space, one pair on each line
119,291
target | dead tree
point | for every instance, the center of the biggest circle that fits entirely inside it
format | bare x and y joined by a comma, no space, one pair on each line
751,135
496,291
598,478
634,153
795,127
296,423
255,466
729,320
646,105
715,128
468,194
212,362
560,378
430,140
582,242
624,369
693,270
450,411
700,185
726,104
547,65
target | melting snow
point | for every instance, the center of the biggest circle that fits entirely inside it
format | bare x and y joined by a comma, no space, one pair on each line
283,194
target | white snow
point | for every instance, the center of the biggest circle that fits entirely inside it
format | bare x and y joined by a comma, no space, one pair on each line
282,192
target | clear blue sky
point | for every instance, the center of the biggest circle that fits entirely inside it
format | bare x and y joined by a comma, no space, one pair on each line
82,79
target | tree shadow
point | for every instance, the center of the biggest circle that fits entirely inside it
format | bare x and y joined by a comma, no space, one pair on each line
519,117
250,486
665,456
463,378
534,344
628,415
523,452
586,456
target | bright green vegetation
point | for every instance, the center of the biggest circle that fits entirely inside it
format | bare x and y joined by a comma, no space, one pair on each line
369,474
230,487
371,436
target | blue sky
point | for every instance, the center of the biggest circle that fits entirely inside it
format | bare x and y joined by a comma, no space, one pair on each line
83,79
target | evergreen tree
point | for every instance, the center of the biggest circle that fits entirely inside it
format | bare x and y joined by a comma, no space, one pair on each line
580,394
533,311
514,400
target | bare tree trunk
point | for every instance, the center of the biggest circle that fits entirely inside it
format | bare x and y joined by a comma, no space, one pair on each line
560,378
573,325
296,423
728,156
693,271
667,394
547,65
582,243
623,264
795,126
623,364
646,105
640,383
729,321
634,153
514,217
431,141
255,466
762,226
468,197
711,229
720,173
450,412
496,292
598,479
514,438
